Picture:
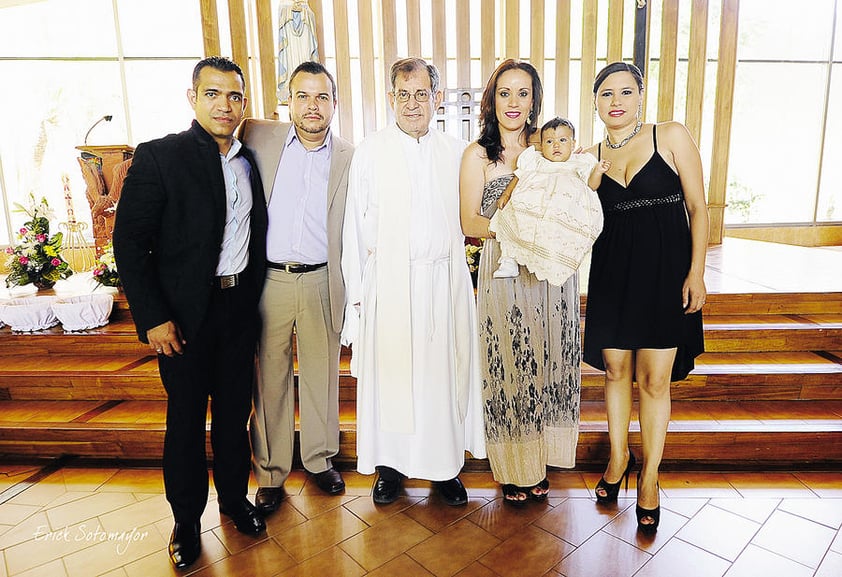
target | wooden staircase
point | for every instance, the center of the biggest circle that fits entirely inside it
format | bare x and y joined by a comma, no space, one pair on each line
767,394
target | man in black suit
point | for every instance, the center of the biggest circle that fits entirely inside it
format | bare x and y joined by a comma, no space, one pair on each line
190,245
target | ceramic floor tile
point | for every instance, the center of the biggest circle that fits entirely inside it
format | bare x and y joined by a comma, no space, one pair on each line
757,510
624,527
709,485
837,542
233,540
568,484
110,551
831,565
90,479
532,552
825,511
45,545
372,514
41,493
135,481
454,548
435,515
13,514
334,561
283,518
504,520
315,535
603,556
481,485
403,566
477,570
265,558
755,561
159,565
52,569
576,520
136,514
795,538
87,508
824,485
379,544
719,532
313,505
680,558
684,507
357,484
768,485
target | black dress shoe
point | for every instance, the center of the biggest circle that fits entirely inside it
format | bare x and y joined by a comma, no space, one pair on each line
245,516
386,490
453,492
330,481
185,544
268,499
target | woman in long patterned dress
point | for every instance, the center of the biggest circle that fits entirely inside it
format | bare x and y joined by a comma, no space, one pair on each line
646,287
529,329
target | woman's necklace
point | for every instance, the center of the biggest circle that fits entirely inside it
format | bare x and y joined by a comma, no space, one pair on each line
625,141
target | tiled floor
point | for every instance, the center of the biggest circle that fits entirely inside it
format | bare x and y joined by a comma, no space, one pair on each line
116,522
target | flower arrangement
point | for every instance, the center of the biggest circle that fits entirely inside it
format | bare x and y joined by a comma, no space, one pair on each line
473,250
105,269
36,258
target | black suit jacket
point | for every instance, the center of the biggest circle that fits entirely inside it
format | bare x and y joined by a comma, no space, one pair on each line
168,230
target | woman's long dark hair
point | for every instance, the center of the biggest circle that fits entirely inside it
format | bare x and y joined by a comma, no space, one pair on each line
489,137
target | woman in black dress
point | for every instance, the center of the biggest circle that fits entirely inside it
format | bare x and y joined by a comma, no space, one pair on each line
646,286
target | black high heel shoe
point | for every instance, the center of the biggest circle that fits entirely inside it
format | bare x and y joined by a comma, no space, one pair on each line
613,489
654,514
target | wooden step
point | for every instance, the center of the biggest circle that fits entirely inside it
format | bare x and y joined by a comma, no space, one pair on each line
735,434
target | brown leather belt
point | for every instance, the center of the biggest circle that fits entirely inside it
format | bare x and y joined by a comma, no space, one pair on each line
295,267
227,281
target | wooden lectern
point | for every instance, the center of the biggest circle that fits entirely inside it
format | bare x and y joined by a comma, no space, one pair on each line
104,169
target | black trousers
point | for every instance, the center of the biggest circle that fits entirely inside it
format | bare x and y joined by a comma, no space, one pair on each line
217,364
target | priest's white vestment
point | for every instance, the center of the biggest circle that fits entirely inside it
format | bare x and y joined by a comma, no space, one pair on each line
411,313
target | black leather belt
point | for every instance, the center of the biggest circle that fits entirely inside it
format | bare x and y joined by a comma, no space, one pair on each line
227,281
295,267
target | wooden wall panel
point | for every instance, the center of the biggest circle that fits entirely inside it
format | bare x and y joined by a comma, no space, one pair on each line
389,23
589,22
488,56
463,44
369,92
413,28
511,29
696,67
210,27
723,110
343,70
536,40
266,48
318,12
439,39
239,43
615,31
668,61
562,59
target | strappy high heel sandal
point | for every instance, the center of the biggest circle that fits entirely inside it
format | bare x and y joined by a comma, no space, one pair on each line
613,489
641,513
512,493
544,487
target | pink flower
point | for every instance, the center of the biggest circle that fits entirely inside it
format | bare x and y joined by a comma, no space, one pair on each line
23,231
41,237
10,250
23,260
55,262
98,272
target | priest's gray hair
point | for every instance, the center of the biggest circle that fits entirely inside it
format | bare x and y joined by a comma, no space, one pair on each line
407,66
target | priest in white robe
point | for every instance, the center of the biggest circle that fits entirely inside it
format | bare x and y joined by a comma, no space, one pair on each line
411,313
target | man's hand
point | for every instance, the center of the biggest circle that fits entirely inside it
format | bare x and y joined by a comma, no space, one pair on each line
166,339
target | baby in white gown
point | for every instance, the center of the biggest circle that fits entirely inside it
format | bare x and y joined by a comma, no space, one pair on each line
549,216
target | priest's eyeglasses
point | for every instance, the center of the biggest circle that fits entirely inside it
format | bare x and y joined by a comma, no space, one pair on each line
419,95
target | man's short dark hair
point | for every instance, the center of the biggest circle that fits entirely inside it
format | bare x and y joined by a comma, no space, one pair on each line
311,67
220,63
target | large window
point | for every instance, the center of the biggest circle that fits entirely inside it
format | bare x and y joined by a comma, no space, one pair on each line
786,141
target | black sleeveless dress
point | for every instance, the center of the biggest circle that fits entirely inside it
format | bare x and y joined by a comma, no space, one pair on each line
638,267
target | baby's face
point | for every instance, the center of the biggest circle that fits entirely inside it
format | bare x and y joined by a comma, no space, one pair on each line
557,143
